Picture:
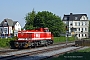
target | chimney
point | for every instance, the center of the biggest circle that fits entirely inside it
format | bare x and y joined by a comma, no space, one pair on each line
70,13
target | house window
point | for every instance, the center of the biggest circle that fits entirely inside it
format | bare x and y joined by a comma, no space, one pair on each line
78,23
85,29
82,23
5,24
71,24
65,18
83,18
76,18
85,23
82,35
0,29
5,30
79,29
75,23
75,29
82,29
85,35
79,35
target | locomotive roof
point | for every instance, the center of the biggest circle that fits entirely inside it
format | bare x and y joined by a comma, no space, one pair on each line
35,30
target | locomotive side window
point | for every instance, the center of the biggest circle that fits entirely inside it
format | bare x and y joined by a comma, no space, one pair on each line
46,30
37,35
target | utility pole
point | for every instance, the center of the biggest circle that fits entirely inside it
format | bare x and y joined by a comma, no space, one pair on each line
66,35
67,31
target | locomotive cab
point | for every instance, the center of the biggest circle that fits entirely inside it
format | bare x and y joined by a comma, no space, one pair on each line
46,30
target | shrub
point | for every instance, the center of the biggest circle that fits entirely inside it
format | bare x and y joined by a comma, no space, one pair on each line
63,39
5,42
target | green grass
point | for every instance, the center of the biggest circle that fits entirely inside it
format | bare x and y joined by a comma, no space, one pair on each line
63,39
85,50
74,56
5,42
79,55
86,38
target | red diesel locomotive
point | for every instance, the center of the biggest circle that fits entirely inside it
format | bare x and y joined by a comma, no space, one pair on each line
29,38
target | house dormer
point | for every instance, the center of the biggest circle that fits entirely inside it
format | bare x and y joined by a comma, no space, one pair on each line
5,23
84,18
17,26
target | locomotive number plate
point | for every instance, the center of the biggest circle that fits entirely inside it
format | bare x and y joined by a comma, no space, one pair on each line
37,35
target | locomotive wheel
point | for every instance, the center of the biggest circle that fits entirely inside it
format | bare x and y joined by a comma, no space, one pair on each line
51,42
46,44
35,44
26,45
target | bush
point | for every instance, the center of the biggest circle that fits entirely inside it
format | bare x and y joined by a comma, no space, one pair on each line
63,39
5,42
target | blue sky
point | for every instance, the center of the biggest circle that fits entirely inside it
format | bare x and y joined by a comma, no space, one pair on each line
17,9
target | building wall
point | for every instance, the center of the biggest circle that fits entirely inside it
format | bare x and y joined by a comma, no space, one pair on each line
5,30
80,27
17,27
10,30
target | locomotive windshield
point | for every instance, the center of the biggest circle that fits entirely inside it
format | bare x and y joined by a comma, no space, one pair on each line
46,29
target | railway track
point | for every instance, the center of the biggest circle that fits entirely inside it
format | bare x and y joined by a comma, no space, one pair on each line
61,53
13,50
49,54
17,56
10,50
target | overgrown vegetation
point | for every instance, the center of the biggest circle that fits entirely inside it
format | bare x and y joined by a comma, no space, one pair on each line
6,42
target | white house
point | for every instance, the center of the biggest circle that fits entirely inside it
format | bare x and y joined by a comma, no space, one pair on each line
78,24
8,27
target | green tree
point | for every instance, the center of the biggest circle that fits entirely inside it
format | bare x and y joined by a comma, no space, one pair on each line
45,19
29,20
38,21
50,20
